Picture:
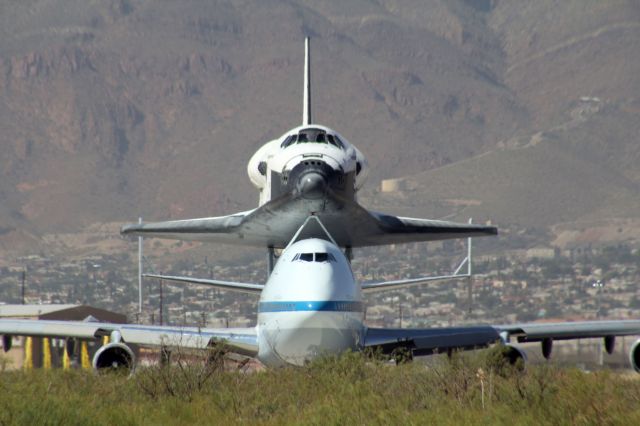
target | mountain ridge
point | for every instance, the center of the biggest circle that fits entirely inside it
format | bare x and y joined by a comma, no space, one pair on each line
117,109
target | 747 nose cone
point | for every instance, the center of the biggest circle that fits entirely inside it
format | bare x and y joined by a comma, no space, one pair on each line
312,185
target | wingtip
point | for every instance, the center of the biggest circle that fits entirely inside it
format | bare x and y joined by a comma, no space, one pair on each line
129,228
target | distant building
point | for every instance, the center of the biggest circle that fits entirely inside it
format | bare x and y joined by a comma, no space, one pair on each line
541,253
392,185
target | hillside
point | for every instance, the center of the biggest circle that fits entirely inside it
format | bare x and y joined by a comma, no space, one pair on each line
116,109
572,174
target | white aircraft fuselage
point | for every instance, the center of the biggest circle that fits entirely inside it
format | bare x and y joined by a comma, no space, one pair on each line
311,305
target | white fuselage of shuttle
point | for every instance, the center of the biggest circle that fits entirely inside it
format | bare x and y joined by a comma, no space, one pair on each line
309,160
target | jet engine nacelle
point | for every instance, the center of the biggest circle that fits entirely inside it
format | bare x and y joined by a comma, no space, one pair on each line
114,356
547,347
634,356
7,342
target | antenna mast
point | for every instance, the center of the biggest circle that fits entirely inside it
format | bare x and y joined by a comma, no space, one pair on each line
306,112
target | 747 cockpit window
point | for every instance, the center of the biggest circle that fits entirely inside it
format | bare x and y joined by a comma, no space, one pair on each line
324,257
314,257
306,257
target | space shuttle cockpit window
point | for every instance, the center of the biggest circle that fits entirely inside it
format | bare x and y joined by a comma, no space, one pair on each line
332,141
312,135
290,140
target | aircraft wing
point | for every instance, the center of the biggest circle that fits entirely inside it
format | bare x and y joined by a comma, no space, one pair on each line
225,285
535,332
397,229
221,229
437,340
386,285
240,340
430,340
275,223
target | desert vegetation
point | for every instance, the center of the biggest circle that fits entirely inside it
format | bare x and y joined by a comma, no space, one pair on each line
350,389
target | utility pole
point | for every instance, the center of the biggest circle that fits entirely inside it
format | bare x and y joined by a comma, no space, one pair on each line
24,278
469,276
599,286
161,302
139,271
469,295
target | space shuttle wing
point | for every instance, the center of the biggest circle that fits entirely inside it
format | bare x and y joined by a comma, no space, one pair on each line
351,225
220,229
397,229
361,227
276,222
240,340
271,225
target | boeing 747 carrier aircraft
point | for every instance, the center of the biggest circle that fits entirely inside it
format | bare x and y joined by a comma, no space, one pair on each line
309,170
310,306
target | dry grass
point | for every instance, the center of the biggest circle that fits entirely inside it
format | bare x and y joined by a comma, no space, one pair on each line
350,389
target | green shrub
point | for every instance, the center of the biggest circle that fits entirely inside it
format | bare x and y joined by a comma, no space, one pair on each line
467,388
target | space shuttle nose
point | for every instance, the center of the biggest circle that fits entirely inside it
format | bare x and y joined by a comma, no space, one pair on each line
312,185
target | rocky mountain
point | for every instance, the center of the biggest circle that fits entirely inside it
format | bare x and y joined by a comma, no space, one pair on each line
114,109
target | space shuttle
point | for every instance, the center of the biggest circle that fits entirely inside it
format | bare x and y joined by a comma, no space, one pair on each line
309,171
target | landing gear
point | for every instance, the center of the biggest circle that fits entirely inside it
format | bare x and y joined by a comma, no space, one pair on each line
348,252
402,355
271,260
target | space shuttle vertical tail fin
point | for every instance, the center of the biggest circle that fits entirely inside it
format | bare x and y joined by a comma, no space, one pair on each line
306,111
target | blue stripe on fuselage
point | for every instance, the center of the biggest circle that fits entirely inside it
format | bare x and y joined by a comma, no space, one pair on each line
306,306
